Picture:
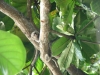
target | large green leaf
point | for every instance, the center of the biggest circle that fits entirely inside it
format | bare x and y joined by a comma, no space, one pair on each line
95,6
88,49
75,60
66,13
79,19
59,45
56,23
78,51
66,57
12,54
97,25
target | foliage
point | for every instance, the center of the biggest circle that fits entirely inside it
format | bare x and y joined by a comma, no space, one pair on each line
74,18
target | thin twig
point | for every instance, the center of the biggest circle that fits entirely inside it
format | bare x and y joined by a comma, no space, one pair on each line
42,72
61,34
37,70
36,53
35,57
87,24
90,42
29,12
26,67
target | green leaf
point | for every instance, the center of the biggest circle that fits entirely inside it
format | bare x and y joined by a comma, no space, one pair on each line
30,51
36,16
51,1
95,6
19,1
83,25
75,60
88,49
79,19
97,25
87,29
22,8
83,37
86,2
66,57
63,3
38,65
78,51
12,54
20,5
8,22
56,23
66,13
46,71
15,30
59,45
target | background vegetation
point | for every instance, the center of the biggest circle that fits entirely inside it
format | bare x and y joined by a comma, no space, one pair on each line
74,38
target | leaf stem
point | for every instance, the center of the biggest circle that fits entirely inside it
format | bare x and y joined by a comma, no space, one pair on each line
90,42
87,24
33,61
61,34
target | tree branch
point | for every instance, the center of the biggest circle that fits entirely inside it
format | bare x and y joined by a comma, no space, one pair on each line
26,27
29,13
45,54
72,70
33,61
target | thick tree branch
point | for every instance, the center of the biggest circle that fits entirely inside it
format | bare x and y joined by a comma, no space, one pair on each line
26,27
72,70
45,54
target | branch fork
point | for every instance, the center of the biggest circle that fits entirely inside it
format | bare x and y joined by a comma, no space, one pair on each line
29,30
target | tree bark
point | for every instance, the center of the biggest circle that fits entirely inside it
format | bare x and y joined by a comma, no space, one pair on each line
44,38
28,28
72,70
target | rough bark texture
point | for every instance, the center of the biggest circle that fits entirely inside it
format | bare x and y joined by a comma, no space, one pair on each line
28,28
44,35
72,70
